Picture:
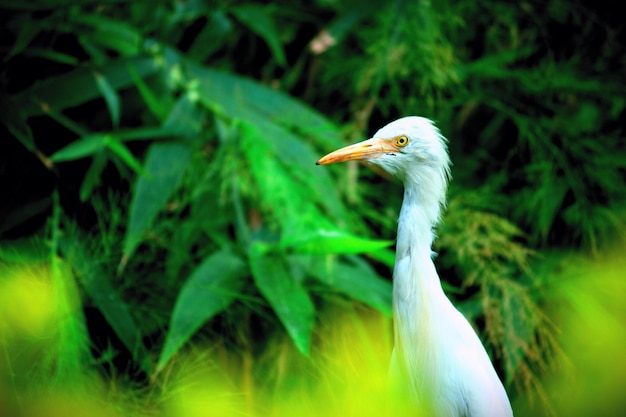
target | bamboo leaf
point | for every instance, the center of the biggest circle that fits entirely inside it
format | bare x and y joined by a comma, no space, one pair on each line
212,36
82,148
271,144
244,99
165,165
320,242
15,122
78,86
114,34
210,288
157,105
287,297
260,21
358,281
28,30
110,97
124,154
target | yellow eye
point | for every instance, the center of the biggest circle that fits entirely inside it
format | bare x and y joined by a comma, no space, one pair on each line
402,141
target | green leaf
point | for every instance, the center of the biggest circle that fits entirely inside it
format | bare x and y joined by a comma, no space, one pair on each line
110,97
260,21
287,297
320,242
244,99
12,117
82,148
157,105
49,4
27,29
358,281
276,137
210,288
117,34
124,154
52,56
278,187
165,165
78,86
212,37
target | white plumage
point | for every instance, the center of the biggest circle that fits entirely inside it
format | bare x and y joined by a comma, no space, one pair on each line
439,364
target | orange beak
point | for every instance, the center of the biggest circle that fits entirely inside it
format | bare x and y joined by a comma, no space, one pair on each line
368,149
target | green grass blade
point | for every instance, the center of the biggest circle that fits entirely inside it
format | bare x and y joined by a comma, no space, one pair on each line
287,297
210,288
92,176
97,285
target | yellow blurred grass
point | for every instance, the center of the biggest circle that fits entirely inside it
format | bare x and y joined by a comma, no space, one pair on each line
344,376
589,310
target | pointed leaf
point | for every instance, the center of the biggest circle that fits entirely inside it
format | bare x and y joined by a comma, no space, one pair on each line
260,21
165,165
358,281
248,100
124,154
212,37
321,242
12,117
78,86
157,105
81,148
115,34
287,297
110,97
210,288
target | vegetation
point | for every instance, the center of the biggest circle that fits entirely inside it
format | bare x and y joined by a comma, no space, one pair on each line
170,248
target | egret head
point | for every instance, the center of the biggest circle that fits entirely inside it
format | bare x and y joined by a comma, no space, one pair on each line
411,148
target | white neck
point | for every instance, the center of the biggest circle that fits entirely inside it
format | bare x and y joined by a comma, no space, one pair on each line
417,294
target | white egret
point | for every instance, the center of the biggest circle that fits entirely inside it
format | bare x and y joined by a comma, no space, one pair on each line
438,362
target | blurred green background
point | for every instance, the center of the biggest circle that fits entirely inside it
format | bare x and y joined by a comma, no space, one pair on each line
169,248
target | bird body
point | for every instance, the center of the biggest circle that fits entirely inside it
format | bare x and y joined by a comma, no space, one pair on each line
438,364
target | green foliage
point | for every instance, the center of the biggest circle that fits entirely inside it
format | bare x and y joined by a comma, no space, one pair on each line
210,288
285,293
170,147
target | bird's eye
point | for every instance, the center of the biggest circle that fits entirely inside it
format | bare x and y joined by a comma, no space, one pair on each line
402,141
